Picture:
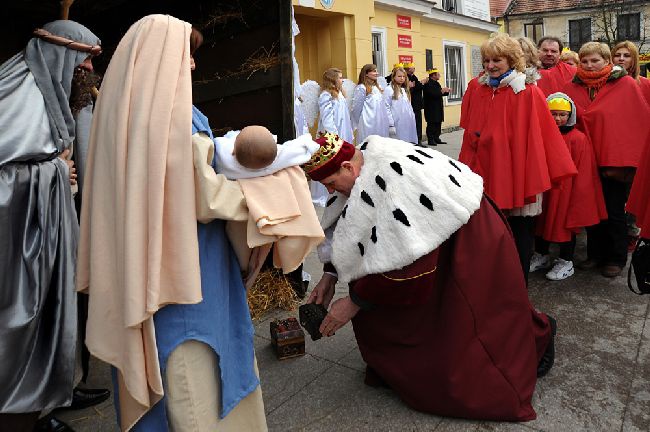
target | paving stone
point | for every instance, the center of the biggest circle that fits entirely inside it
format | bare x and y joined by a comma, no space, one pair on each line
338,400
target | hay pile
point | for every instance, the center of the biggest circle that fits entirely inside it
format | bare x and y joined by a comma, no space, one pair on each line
271,290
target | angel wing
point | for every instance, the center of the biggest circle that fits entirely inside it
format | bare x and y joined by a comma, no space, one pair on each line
309,91
382,82
348,91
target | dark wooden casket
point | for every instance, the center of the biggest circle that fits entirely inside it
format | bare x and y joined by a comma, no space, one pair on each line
287,338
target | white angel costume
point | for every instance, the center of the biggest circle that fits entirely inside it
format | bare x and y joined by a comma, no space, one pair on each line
335,116
370,113
403,115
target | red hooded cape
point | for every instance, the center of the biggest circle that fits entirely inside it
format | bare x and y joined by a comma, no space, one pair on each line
554,79
639,201
617,121
575,202
512,141
454,342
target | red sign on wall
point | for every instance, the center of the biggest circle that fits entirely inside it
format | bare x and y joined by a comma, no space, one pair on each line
404,41
404,21
405,59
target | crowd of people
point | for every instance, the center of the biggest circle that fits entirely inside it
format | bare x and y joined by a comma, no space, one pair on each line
166,249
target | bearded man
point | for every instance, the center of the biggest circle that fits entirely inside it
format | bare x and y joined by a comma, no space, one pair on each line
38,225
437,297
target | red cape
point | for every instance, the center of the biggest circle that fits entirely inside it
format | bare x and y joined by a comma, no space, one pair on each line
575,202
639,201
512,141
554,79
617,121
454,342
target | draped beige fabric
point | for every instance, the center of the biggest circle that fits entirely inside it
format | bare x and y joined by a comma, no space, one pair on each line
139,246
281,212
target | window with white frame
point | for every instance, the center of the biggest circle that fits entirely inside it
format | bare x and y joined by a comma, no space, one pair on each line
455,71
379,50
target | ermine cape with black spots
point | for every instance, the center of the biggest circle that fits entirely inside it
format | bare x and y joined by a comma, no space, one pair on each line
407,200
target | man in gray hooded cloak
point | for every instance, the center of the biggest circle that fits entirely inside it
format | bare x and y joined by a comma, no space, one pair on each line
38,223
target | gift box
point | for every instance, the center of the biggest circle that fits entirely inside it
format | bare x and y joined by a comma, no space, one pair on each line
287,338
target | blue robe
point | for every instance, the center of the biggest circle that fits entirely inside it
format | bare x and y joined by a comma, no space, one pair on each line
222,320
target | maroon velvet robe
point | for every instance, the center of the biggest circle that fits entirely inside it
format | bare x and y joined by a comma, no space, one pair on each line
454,333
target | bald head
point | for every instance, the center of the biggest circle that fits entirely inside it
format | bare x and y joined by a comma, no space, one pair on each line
255,147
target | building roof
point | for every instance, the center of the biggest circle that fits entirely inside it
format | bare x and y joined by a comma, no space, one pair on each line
498,7
522,7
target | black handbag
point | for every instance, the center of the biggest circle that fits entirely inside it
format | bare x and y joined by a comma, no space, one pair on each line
641,266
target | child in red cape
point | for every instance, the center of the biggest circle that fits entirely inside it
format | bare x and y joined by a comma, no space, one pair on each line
571,204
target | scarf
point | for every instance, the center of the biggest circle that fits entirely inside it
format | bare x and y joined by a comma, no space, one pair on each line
595,80
494,82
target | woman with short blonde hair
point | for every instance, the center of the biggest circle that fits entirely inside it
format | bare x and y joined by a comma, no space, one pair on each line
606,99
511,140
371,113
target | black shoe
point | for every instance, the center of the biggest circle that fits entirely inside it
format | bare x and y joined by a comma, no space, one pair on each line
49,423
546,363
84,398
440,142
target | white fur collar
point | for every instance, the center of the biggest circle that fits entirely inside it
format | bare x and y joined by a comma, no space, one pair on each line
405,203
516,80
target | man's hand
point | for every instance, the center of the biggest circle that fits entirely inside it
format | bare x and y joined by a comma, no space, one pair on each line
71,169
411,84
446,90
342,311
323,291
424,80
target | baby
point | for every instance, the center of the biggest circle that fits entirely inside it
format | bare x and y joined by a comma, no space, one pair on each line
253,152
255,147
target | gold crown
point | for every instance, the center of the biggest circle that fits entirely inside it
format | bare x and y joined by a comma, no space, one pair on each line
398,65
566,49
409,65
434,70
327,151
559,104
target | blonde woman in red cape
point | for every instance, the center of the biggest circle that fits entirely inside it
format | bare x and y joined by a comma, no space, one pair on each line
512,141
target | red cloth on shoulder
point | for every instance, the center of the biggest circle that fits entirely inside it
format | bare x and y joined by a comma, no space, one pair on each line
554,79
639,201
470,347
574,202
512,141
616,121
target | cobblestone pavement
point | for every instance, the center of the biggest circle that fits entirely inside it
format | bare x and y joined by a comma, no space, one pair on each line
600,381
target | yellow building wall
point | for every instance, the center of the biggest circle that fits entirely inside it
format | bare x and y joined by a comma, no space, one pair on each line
428,35
341,37
336,37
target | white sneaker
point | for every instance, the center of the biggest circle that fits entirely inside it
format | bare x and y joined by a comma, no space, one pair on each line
539,261
561,270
